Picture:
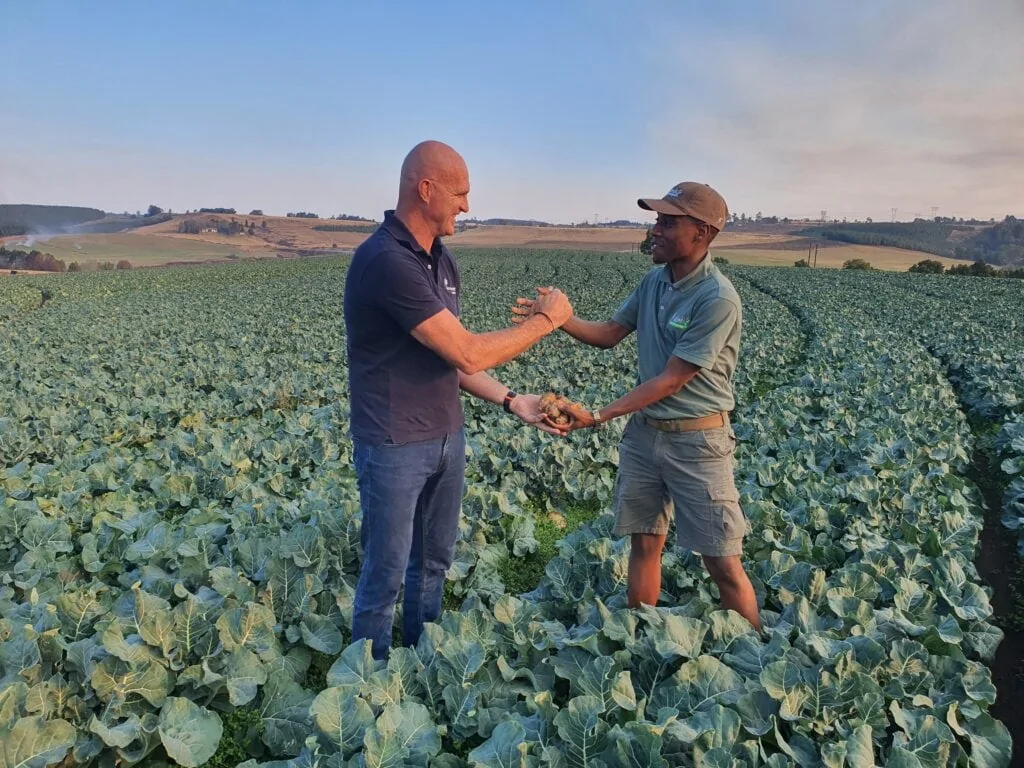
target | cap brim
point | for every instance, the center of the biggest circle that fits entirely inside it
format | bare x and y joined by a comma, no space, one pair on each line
659,205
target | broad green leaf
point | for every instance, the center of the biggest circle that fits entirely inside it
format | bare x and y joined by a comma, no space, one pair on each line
285,712
637,745
243,674
320,634
117,735
189,733
117,681
679,636
582,729
354,667
248,626
403,732
506,748
991,745
33,742
700,683
342,717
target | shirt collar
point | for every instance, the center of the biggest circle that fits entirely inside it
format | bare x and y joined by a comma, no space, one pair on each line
702,270
394,227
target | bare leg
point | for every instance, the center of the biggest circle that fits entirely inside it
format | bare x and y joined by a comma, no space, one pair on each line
735,587
644,581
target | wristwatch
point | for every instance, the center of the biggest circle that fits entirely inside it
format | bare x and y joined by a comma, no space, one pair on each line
509,397
596,416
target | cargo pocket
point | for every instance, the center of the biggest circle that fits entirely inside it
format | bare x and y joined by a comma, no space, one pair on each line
730,525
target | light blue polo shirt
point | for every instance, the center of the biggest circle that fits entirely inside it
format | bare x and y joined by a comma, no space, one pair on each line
697,319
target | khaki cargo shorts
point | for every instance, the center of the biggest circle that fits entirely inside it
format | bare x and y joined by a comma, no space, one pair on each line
690,472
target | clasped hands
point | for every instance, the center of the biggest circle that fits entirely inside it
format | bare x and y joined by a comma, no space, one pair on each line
551,413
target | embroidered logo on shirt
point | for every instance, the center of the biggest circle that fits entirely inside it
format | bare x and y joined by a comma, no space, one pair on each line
679,321
449,287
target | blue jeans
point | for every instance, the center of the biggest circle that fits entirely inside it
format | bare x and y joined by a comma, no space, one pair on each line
411,497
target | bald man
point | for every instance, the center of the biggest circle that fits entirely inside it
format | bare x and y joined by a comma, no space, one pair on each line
409,356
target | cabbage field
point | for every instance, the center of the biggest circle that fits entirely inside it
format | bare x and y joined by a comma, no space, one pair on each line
179,529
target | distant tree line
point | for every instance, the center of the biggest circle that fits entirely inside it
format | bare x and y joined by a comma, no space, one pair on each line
914,236
217,210
302,215
1001,244
13,258
977,269
46,218
344,228
220,226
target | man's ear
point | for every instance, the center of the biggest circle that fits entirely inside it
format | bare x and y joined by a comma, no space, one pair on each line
424,188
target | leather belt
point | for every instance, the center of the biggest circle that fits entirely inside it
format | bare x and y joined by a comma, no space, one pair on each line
713,421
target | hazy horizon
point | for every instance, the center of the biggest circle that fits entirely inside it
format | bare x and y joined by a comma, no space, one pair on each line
561,113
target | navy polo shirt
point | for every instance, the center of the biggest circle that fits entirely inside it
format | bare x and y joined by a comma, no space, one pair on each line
401,391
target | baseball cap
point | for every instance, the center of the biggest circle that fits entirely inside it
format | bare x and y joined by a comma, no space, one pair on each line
690,198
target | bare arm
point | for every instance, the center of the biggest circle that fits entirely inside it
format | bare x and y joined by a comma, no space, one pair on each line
526,407
677,374
472,353
602,335
483,386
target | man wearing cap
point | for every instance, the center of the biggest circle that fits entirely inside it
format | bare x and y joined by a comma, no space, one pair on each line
677,449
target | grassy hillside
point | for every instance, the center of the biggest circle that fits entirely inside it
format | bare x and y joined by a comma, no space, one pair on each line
925,236
30,219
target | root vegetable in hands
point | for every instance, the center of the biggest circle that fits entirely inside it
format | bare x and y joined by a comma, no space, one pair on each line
557,409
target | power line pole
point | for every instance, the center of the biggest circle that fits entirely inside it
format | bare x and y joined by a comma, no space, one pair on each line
893,212
824,216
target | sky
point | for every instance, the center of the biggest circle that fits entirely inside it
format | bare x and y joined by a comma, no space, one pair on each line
564,111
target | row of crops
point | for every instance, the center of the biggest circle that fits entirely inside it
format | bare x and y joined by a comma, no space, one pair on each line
179,534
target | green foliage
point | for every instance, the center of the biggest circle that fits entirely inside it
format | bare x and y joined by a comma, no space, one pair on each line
999,244
179,530
977,269
523,573
720,260
927,267
16,258
646,243
802,263
242,727
856,264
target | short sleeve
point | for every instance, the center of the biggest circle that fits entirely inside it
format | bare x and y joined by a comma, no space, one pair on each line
708,333
403,290
627,314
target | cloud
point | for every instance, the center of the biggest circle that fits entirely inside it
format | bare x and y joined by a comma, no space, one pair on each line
922,107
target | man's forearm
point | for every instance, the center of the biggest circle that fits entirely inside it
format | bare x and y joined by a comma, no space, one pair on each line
640,397
483,386
601,335
494,348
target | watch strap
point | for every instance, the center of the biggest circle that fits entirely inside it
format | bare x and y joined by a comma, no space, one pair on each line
509,397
